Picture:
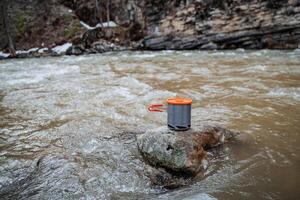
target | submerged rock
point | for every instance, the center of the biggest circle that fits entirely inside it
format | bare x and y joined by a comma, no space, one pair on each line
179,154
163,178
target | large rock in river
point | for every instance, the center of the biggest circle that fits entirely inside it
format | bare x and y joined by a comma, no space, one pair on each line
181,151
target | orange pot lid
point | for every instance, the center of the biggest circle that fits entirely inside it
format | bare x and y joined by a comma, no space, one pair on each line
179,101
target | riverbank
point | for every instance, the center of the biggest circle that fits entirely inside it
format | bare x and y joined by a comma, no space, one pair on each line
146,25
65,49
44,52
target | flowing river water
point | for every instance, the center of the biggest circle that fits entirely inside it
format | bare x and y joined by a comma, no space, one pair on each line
68,124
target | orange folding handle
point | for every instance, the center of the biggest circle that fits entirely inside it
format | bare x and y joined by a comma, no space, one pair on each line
156,108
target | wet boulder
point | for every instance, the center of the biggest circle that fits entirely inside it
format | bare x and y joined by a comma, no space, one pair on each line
209,46
75,50
181,152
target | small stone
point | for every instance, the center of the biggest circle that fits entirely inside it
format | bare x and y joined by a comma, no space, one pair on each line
209,46
290,10
244,7
75,50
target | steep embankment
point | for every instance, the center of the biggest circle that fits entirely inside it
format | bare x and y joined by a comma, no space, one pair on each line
226,24
37,24
150,24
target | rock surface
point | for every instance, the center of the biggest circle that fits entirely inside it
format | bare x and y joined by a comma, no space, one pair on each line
227,24
181,152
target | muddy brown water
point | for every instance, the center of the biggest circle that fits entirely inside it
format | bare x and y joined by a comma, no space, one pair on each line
68,124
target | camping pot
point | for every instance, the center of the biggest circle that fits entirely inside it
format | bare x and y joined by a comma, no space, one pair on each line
179,113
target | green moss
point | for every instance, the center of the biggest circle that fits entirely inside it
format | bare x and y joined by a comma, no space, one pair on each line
67,18
21,24
73,29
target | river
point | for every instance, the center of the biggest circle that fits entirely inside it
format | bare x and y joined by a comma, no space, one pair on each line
68,124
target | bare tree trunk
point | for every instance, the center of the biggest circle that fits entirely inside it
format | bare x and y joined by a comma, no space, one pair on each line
144,17
99,13
108,10
5,22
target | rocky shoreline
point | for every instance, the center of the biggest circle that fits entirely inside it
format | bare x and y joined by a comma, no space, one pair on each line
37,29
60,50
240,39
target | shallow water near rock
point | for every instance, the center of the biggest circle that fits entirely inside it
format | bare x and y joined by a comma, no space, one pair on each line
68,124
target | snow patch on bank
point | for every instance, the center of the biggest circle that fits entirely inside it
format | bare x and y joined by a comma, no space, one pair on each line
62,48
4,55
110,24
27,51
42,50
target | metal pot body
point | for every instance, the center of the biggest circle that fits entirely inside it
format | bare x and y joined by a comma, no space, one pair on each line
179,116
